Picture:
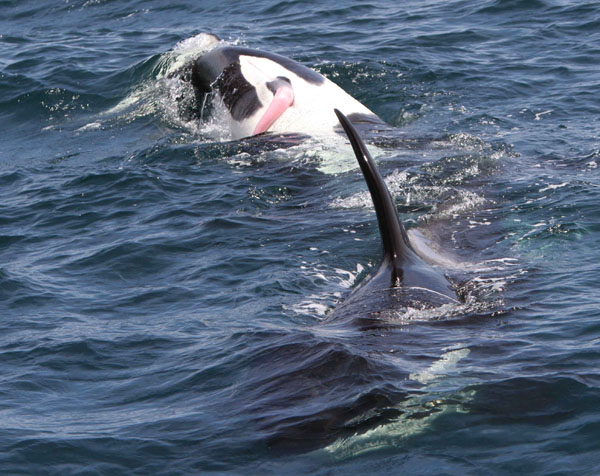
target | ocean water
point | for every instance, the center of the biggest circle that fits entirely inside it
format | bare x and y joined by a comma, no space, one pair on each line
164,290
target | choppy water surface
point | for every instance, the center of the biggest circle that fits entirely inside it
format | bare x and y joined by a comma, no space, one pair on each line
163,290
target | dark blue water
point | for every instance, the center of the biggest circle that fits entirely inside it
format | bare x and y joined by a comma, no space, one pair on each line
163,290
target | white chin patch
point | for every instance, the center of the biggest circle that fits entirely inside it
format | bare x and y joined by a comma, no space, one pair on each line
312,110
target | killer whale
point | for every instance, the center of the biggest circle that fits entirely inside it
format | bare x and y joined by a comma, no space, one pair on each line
264,91
402,280
336,389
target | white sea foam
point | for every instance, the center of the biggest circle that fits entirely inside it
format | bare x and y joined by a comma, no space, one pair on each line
163,93
403,185
333,285
554,186
92,126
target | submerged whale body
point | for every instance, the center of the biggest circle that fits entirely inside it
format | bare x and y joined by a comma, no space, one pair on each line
403,280
267,92
335,388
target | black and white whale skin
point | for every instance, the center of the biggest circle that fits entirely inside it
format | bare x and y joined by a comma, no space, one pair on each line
403,280
267,92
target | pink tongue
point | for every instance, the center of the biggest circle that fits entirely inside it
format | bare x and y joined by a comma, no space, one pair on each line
283,98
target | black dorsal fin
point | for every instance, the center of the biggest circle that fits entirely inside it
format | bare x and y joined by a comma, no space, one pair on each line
396,246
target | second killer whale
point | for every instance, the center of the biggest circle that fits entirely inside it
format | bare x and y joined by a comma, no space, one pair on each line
326,387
